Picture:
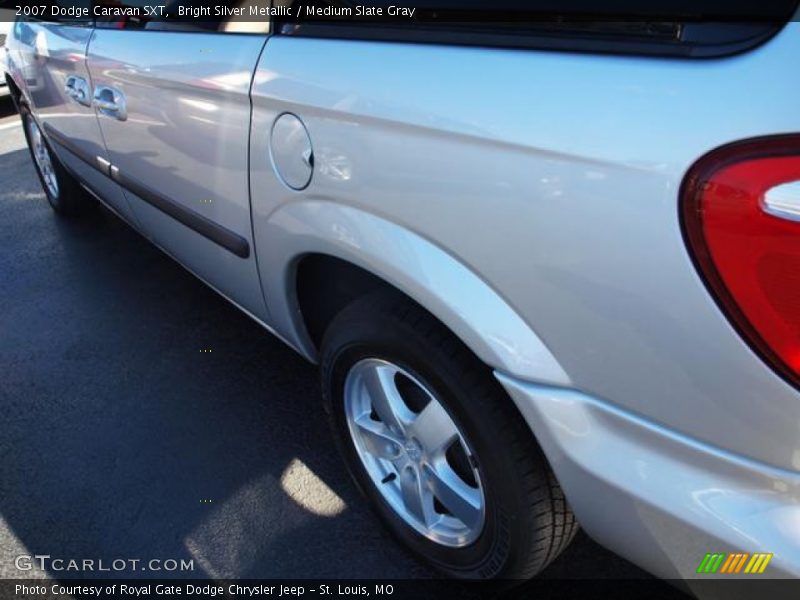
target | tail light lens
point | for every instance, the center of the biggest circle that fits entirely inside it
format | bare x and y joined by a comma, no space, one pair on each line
741,217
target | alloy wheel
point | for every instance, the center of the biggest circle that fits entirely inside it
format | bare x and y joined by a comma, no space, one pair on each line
414,453
41,155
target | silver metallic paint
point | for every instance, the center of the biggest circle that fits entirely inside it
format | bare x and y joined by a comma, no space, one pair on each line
291,151
554,178
53,53
186,135
657,497
439,282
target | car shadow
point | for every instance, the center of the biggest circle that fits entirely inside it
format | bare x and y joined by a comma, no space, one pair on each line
145,417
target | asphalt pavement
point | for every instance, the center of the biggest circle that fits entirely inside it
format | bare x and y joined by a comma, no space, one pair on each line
121,438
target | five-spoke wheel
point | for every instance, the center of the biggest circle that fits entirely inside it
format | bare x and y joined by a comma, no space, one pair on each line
414,453
41,156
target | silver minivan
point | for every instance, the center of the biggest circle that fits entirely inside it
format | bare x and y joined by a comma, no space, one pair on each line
548,263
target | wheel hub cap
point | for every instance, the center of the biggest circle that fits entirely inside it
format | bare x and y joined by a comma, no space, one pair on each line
414,450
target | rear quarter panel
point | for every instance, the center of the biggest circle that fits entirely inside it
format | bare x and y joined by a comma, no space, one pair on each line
555,177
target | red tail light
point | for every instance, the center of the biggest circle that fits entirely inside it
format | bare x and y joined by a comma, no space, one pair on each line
741,217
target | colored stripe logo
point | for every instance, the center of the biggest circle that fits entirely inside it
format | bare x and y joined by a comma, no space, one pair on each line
734,563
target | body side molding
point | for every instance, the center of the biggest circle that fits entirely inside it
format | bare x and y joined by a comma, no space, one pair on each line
222,236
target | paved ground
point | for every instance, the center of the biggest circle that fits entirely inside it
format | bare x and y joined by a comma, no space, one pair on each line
115,427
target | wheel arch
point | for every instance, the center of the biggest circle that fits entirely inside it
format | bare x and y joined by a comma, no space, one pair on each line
306,247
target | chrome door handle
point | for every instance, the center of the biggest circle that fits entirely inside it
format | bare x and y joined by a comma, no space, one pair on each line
78,89
110,102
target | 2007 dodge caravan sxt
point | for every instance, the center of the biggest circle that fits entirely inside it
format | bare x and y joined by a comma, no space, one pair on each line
550,268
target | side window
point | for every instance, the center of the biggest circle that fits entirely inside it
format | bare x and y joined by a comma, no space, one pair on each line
237,16
696,29
470,22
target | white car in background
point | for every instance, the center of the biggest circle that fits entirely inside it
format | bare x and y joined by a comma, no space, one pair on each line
6,22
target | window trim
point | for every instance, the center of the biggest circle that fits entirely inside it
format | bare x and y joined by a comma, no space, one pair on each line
563,41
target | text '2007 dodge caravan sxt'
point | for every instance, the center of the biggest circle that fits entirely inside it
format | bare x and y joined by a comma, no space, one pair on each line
549,265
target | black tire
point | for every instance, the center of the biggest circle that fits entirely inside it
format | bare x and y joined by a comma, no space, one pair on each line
528,521
71,200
